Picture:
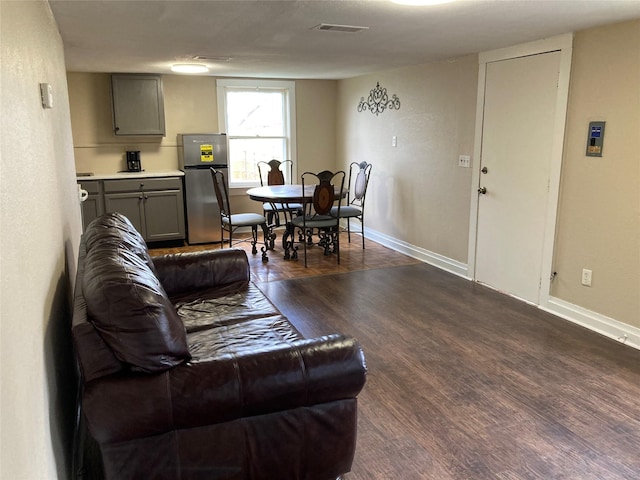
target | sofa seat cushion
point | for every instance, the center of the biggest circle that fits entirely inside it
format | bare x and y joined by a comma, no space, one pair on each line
128,306
245,302
241,338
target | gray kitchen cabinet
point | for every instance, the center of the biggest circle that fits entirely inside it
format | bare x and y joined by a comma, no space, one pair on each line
128,204
155,206
164,215
93,206
138,104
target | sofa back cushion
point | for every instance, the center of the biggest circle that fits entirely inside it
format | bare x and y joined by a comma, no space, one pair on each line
94,356
116,230
127,304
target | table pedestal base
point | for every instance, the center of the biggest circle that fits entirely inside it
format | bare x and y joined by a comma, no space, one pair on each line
288,245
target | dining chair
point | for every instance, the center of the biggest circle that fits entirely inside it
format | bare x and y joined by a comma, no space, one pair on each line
358,181
231,222
273,173
319,217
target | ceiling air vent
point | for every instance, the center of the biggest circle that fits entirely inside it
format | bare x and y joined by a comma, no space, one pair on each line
339,28
213,58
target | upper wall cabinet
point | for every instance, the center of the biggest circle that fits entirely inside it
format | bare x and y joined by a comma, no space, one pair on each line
138,105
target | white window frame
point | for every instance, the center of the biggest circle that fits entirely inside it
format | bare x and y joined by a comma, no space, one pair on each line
290,114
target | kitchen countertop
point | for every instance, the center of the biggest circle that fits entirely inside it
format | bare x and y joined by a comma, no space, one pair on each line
120,175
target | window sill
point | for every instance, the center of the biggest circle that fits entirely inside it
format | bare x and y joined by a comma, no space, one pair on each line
240,191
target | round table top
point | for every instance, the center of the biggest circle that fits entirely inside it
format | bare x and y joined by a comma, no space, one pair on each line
284,193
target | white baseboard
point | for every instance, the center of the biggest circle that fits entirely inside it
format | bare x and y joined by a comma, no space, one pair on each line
614,329
445,263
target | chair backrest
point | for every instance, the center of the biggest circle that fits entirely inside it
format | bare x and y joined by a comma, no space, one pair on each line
328,184
222,195
274,171
358,182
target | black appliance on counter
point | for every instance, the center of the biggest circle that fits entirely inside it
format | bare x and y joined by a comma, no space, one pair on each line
133,161
198,152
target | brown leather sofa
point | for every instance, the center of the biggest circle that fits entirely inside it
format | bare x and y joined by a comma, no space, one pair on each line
189,372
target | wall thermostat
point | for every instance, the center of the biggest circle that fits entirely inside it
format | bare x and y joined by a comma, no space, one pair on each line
595,139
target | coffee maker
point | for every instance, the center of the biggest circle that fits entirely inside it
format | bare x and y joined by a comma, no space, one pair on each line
133,161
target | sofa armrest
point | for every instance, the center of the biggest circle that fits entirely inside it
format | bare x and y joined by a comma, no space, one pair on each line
208,269
225,388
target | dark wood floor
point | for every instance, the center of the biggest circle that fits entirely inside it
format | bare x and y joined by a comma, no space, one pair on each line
466,383
352,258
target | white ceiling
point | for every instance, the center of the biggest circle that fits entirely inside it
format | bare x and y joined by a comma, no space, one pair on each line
274,39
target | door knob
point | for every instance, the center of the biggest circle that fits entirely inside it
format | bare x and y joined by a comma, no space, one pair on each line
482,190
484,170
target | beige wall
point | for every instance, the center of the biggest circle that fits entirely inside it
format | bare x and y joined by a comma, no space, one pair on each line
316,124
419,196
599,215
417,193
190,107
40,231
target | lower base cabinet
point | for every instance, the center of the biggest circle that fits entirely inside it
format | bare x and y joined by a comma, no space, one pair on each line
93,206
155,206
164,215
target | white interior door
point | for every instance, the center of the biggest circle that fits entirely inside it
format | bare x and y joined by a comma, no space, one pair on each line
517,136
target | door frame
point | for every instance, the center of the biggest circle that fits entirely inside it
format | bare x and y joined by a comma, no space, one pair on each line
563,44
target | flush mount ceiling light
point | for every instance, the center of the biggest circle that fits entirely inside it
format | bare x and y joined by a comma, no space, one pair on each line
421,3
189,68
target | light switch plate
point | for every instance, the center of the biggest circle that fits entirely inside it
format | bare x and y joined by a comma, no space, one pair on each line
464,161
46,95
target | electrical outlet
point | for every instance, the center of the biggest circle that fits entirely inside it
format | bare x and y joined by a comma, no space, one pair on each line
586,277
464,161
394,141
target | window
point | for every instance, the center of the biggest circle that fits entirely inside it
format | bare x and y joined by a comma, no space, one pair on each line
258,117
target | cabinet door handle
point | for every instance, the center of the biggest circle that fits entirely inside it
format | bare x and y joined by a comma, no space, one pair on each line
140,197
146,196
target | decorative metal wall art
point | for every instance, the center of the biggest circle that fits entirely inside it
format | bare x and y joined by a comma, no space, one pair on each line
378,101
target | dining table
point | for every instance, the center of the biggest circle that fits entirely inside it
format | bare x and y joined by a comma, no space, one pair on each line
285,195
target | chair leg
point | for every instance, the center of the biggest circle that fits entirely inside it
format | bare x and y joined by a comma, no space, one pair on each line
305,252
362,226
349,229
338,242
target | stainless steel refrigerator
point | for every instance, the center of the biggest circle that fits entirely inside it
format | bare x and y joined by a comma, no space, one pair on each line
198,152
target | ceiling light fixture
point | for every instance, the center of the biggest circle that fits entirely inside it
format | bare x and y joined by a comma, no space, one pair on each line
421,3
189,68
